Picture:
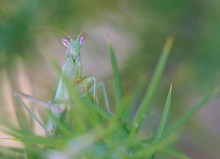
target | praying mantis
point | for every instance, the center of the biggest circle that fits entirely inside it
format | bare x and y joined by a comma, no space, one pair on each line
72,71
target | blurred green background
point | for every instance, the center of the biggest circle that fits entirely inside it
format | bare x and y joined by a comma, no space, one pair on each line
138,30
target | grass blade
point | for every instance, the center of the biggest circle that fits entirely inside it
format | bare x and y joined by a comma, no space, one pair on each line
186,116
117,82
174,153
60,125
153,85
151,149
163,121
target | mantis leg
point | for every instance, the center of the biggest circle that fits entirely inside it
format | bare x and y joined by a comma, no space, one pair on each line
90,81
22,104
102,86
49,105
52,107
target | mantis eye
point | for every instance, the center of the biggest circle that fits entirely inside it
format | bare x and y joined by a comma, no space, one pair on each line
65,42
82,39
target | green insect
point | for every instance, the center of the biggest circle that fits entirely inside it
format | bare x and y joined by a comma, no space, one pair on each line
72,71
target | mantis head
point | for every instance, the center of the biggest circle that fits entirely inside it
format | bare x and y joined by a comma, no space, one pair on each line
73,46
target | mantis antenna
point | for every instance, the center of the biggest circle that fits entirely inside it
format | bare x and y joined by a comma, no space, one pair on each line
54,29
79,35
60,31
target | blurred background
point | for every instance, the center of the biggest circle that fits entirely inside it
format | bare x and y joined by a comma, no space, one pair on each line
138,30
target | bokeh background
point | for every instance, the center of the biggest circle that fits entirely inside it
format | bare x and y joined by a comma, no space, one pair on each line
138,30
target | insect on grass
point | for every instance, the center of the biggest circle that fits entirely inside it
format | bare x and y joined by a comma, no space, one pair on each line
71,73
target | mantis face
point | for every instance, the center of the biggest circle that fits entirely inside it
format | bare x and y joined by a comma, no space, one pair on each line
73,47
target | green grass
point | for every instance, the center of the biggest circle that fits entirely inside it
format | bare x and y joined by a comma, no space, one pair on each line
87,131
